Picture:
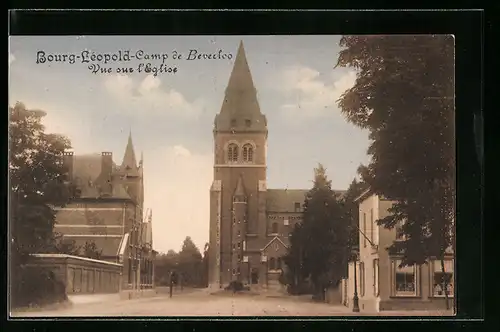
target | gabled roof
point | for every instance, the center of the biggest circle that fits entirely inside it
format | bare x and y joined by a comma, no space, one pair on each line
276,238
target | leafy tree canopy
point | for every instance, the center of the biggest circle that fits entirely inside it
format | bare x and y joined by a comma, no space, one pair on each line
37,182
404,94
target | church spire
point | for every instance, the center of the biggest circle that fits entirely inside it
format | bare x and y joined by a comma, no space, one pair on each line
240,110
241,77
129,163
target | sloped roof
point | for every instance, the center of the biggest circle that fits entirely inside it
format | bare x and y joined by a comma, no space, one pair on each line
276,238
87,167
129,163
283,200
240,100
86,173
256,244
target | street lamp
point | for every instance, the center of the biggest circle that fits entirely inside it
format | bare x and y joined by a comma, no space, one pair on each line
355,299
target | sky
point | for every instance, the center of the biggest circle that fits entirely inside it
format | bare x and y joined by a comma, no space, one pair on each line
171,114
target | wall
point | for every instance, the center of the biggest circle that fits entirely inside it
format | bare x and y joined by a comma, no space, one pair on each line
82,275
386,299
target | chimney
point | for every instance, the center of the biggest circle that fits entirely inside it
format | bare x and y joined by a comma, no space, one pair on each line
106,170
68,164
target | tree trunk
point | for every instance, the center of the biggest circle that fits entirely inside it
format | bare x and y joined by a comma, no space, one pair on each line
445,284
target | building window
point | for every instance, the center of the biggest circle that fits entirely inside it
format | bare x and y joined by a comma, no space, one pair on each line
364,229
285,222
400,235
248,122
232,152
234,272
274,228
297,207
405,279
375,277
361,278
239,257
239,245
239,233
234,246
248,153
371,225
244,245
442,281
272,263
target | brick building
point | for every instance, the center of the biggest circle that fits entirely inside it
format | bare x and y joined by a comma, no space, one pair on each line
108,210
249,223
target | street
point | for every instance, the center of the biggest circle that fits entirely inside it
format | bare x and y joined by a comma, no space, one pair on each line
200,303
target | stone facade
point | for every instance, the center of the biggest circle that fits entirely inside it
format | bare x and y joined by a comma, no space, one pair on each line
249,223
107,209
81,275
381,284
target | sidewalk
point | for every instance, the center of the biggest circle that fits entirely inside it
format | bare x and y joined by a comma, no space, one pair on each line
93,298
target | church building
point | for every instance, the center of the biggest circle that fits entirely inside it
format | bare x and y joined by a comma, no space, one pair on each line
250,225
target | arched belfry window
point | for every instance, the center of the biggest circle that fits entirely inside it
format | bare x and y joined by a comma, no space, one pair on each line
247,153
232,152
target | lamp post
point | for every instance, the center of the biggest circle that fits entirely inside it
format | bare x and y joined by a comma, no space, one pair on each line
355,299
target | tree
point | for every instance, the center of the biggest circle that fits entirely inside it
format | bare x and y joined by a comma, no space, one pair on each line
323,234
90,250
293,259
190,263
37,180
37,184
404,94
206,252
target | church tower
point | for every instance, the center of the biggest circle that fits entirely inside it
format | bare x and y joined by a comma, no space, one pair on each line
238,193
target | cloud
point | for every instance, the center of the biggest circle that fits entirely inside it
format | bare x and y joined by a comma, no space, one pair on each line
150,95
178,182
64,121
12,58
311,95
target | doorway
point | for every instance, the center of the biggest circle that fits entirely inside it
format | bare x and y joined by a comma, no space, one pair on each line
254,276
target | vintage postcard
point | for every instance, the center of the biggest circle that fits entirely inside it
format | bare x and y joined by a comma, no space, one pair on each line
308,175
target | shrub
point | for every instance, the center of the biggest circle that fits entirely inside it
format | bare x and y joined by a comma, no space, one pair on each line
35,286
235,286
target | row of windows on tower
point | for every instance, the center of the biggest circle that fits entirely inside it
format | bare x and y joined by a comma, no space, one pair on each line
248,122
233,152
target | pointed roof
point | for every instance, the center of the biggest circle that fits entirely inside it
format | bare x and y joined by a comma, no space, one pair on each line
240,109
241,77
240,187
129,163
276,238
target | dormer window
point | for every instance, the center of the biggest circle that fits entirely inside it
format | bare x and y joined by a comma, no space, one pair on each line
248,153
232,152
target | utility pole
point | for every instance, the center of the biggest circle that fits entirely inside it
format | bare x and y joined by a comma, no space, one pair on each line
355,299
